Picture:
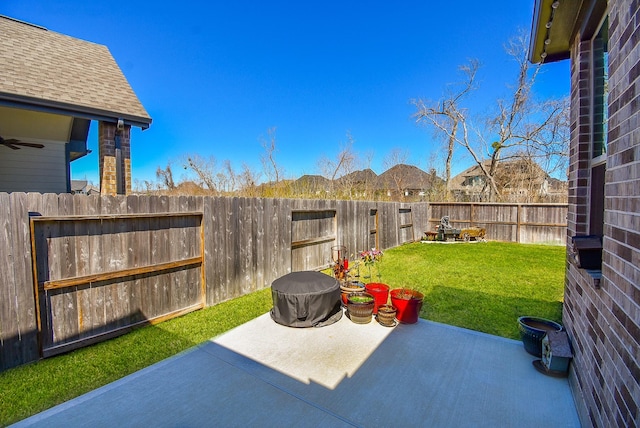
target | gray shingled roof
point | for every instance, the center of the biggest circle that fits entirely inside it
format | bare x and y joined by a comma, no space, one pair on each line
46,70
407,177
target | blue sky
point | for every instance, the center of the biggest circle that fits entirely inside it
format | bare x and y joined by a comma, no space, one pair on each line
215,76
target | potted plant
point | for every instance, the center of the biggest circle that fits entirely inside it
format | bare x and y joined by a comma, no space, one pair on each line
386,315
349,287
408,303
372,259
360,307
532,330
380,293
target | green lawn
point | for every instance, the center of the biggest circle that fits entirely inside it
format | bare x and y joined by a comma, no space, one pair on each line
481,286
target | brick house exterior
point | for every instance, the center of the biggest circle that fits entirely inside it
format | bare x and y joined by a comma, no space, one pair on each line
601,306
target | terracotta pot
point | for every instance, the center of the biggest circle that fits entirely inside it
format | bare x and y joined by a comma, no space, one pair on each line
408,303
360,307
348,288
387,315
380,293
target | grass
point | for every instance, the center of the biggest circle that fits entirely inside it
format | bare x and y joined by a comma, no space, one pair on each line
480,286
32,388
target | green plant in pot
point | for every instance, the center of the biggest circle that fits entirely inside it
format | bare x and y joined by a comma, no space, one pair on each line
349,287
380,291
360,307
408,303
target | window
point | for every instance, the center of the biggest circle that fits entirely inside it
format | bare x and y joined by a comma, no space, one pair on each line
599,121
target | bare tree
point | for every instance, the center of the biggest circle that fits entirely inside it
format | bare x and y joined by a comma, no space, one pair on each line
203,168
231,177
522,126
525,127
340,167
447,114
248,181
272,170
392,163
396,156
165,176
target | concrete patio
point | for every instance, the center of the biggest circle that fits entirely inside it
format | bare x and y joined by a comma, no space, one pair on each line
263,374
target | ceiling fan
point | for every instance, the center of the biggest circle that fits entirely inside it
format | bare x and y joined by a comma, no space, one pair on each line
12,143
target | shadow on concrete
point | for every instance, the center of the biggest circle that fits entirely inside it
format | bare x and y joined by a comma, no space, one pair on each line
265,374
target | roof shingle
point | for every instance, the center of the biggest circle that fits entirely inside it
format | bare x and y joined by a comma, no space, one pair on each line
54,70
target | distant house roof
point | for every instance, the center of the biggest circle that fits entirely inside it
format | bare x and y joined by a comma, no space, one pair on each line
47,71
464,178
312,183
83,187
364,176
510,175
405,177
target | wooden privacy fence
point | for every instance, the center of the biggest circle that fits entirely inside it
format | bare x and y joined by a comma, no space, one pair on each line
525,223
75,269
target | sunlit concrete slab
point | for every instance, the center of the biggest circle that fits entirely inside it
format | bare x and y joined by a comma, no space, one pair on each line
265,374
325,356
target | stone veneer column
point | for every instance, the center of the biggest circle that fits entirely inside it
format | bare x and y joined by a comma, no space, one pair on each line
107,152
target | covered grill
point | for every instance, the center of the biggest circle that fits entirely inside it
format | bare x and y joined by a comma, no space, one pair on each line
306,299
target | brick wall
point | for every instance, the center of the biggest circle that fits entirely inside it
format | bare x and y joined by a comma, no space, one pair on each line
580,148
604,323
107,151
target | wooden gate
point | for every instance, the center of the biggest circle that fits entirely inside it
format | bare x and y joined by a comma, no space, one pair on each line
99,276
373,229
313,233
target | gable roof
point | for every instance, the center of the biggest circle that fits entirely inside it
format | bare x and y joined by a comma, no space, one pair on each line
405,177
312,183
48,71
507,173
361,177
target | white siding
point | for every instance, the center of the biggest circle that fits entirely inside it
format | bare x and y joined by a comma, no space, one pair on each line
33,170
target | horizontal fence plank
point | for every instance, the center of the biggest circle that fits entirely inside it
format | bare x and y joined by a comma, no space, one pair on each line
75,218
320,240
156,268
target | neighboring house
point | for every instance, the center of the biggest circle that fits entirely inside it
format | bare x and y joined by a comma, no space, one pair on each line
82,187
52,87
406,180
517,180
398,181
359,184
602,304
362,179
311,185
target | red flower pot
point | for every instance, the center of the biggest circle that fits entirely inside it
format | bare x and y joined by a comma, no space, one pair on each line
408,303
380,293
